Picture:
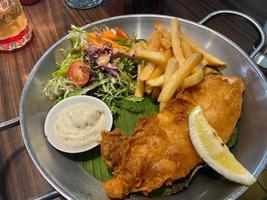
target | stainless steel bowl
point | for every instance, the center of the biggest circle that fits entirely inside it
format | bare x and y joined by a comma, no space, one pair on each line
68,178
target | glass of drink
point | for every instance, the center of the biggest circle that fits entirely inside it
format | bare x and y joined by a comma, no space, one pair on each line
83,4
14,29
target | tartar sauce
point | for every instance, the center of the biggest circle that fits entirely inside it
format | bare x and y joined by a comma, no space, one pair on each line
80,125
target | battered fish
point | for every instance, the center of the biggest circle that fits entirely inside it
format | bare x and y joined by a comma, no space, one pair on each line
160,150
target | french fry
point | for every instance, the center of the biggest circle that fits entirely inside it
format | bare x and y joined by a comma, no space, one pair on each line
147,71
153,42
186,49
166,43
141,45
193,79
155,92
171,67
168,53
178,77
153,56
165,33
175,40
157,82
148,89
139,89
201,65
162,106
156,73
212,60
209,70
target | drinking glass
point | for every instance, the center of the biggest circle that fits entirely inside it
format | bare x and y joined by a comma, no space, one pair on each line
14,29
83,4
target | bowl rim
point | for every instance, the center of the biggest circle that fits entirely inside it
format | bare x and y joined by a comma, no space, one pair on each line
57,108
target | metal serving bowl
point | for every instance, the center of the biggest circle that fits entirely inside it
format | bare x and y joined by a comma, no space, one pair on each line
69,179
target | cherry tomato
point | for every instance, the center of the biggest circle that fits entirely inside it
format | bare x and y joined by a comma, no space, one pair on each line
79,73
120,33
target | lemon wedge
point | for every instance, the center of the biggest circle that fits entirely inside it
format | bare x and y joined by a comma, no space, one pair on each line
213,151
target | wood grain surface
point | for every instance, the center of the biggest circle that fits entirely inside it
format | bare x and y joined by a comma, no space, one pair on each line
50,20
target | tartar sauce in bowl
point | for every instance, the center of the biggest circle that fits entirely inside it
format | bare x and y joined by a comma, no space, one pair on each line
75,124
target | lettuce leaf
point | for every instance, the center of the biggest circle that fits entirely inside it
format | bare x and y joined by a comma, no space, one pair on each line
75,53
84,90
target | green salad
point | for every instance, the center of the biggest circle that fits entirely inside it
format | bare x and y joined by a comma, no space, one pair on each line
102,67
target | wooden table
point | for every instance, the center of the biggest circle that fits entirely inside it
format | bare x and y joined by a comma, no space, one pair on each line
50,20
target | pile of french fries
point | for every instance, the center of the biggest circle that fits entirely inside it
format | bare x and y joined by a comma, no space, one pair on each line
171,61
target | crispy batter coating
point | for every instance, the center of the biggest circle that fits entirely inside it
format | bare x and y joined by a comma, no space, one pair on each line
160,150
221,100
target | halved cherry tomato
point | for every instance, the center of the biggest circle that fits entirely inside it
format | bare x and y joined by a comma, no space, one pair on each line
120,33
79,73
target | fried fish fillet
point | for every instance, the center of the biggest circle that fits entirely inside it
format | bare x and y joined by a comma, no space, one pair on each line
160,150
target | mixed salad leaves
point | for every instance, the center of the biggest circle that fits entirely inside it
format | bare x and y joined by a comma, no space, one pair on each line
99,63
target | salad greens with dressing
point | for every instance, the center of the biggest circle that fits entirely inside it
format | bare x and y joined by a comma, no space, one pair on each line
99,63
